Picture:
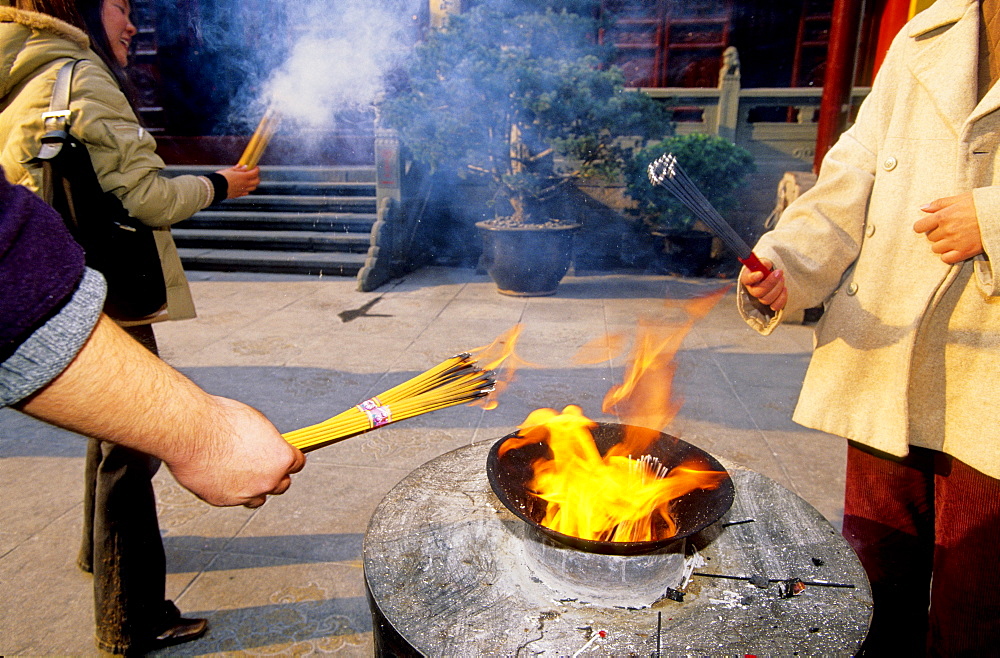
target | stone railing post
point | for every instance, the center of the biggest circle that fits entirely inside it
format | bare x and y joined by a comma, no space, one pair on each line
388,167
728,115
385,245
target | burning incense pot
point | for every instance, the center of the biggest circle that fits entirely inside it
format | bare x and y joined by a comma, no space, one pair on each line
260,139
512,467
666,172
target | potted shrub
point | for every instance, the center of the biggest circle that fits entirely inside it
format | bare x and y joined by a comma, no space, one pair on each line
718,168
525,100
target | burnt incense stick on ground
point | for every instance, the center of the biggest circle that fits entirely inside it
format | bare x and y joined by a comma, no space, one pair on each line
260,139
455,381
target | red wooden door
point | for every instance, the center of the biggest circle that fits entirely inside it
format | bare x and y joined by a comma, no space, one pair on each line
669,43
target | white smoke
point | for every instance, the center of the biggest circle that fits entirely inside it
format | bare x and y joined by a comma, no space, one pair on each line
339,55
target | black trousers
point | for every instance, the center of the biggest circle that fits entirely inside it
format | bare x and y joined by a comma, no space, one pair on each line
121,541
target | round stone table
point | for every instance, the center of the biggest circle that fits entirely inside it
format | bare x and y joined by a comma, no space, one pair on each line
449,573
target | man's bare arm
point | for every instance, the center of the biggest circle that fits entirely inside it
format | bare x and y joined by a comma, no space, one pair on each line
224,451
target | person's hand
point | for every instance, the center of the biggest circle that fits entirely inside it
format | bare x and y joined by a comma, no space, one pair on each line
952,226
770,289
241,180
243,462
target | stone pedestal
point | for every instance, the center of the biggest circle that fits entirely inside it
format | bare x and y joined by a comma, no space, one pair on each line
452,572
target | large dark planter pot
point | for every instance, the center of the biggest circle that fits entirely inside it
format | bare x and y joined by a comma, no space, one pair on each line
685,252
527,261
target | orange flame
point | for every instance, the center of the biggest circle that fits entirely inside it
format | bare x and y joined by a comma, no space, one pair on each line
602,498
645,399
616,497
500,353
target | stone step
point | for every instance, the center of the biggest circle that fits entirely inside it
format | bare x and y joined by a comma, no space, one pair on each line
252,220
343,174
293,262
296,203
315,188
304,220
267,240
310,184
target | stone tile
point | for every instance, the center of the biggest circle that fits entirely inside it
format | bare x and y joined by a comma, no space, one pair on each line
23,436
325,501
39,490
267,606
743,447
11,540
47,604
182,514
501,312
558,345
350,353
449,336
442,282
556,388
291,398
816,464
271,348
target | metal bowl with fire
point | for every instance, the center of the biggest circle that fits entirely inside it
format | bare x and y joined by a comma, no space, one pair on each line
604,487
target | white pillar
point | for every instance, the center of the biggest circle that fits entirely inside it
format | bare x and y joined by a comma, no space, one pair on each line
729,96
440,9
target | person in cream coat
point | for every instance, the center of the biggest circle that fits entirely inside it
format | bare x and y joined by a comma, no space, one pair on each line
898,240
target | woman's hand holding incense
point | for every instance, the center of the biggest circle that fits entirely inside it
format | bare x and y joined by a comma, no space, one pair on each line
952,226
770,290
242,180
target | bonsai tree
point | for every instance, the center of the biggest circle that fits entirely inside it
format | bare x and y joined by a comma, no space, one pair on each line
716,166
500,91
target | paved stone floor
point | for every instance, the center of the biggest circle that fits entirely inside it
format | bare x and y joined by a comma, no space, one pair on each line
286,579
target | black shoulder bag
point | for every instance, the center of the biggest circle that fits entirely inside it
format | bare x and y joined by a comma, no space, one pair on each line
116,245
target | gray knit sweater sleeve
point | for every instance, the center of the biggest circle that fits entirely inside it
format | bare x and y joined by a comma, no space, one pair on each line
47,352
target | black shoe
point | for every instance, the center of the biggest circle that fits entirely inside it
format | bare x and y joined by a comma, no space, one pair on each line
179,630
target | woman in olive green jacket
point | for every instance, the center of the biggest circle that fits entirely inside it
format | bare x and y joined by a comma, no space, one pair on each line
33,46
121,544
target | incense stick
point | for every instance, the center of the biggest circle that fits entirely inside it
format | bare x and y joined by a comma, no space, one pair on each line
667,172
260,139
454,381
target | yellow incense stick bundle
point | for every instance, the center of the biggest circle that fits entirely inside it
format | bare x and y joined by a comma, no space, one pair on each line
260,138
454,381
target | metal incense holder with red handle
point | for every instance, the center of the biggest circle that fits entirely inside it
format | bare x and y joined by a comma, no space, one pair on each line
666,172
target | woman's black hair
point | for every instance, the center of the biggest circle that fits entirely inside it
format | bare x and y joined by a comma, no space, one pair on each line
88,16
91,12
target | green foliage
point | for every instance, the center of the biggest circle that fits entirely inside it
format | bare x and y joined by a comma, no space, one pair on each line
535,68
716,166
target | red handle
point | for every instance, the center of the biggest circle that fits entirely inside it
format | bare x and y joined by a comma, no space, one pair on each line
753,264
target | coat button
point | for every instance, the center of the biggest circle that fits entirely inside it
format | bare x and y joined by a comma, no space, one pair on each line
870,230
890,163
852,289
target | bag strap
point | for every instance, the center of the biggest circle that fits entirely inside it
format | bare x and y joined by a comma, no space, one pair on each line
56,120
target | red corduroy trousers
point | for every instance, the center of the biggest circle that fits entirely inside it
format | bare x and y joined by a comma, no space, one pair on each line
911,518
